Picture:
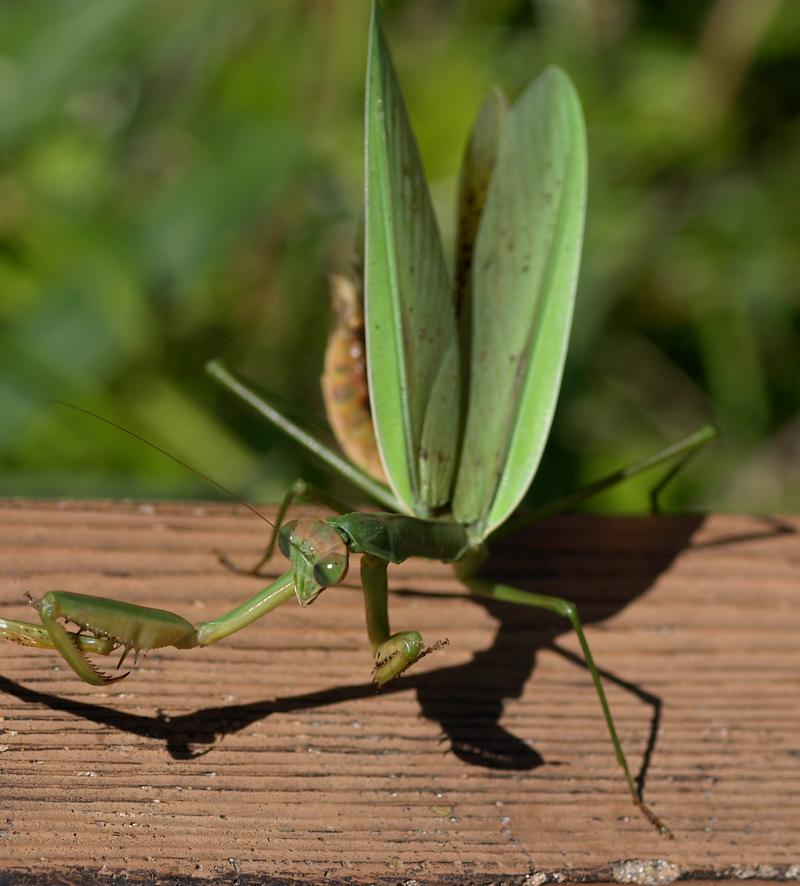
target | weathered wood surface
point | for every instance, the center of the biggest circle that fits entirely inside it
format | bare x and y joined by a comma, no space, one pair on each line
271,755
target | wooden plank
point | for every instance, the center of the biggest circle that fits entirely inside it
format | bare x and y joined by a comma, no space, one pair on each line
270,755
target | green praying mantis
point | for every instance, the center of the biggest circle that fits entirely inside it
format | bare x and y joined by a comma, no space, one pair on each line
463,378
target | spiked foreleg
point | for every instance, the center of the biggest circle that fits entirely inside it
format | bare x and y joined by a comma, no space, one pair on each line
125,625
27,634
107,625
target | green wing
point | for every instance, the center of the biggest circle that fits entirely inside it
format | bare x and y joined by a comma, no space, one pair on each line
524,274
412,339
477,166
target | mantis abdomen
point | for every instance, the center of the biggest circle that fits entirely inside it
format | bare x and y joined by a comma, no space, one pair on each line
344,379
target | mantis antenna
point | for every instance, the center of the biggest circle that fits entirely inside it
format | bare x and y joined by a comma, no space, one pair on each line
157,448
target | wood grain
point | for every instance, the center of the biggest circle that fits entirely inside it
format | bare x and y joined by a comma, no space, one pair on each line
271,757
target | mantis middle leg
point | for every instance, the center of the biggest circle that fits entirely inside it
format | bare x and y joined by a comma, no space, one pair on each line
393,652
465,570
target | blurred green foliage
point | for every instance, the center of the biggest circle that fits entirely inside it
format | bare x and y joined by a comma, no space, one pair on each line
178,178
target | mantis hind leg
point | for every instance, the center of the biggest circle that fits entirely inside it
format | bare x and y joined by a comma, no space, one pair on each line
298,490
679,453
567,610
394,653
686,450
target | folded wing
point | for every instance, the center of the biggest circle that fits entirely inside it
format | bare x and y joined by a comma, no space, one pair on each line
412,336
523,279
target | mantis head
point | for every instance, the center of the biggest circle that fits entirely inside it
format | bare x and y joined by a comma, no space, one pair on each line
318,555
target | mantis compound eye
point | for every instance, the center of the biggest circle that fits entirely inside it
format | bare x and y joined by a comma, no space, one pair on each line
285,537
330,570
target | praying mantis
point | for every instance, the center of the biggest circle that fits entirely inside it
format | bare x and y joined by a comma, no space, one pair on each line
463,379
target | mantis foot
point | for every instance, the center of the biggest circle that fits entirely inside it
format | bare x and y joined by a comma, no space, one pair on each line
654,820
398,653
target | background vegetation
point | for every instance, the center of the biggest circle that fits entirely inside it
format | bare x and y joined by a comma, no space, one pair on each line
179,177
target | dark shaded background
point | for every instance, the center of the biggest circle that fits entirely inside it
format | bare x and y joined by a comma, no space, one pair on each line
177,178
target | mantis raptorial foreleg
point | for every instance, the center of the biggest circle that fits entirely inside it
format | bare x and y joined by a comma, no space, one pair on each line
465,570
27,634
319,557
298,490
106,626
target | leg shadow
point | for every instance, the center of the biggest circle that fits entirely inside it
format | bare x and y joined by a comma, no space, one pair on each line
602,571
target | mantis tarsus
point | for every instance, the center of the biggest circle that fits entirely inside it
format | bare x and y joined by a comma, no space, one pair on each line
463,381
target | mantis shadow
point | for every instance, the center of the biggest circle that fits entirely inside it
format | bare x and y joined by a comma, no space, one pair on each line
192,735
602,573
